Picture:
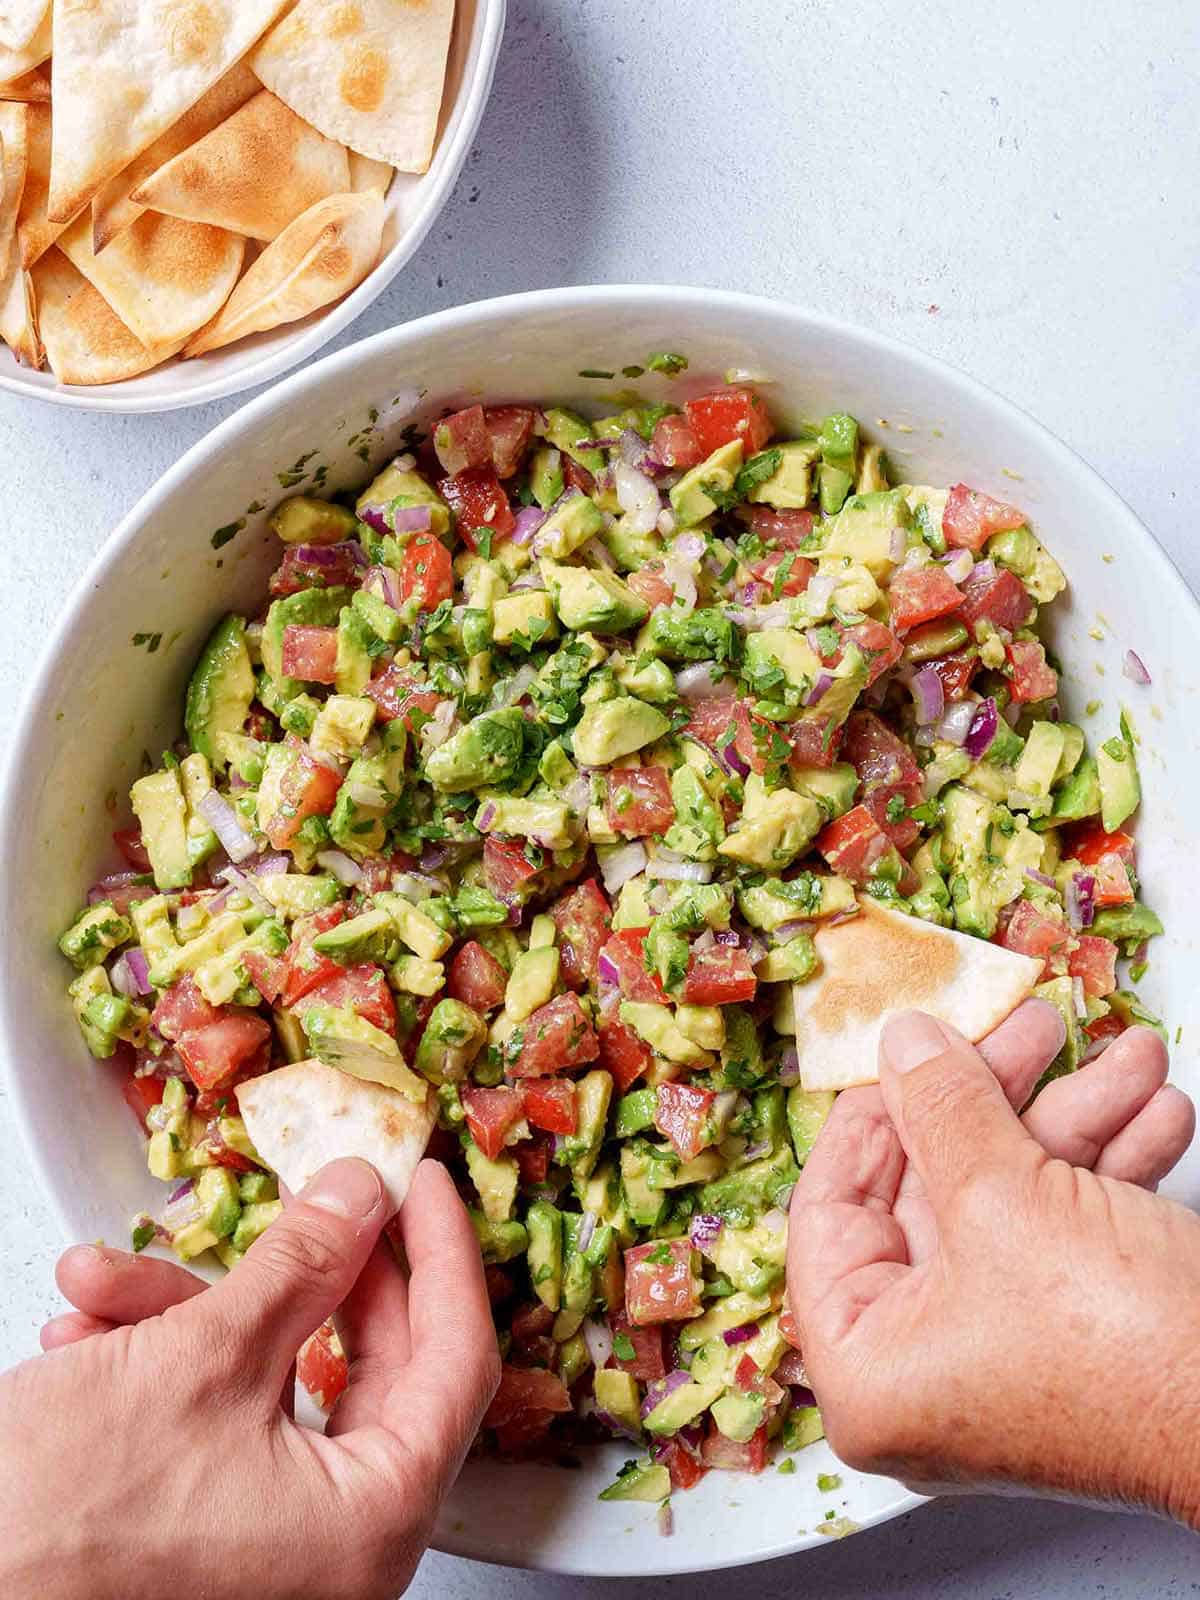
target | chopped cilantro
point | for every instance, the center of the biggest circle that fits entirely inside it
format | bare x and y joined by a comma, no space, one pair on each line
664,361
230,531
595,372
623,1347
757,470
150,640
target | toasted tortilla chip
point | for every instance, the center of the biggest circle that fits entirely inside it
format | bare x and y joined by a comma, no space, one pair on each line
255,173
322,256
85,341
20,21
883,961
366,173
112,209
35,232
370,73
30,86
14,155
124,71
164,278
15,63
18,316
301,1117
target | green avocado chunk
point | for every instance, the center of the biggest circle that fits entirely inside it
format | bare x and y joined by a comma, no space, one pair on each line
220,690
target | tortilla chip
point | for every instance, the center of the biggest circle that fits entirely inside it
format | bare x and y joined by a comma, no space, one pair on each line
86,342
322,256
112,209
15,63
883,961
14,153
18,316
369,73
163,278
125,71
35,231
301,1117
366,173
30,86
255,173
20,21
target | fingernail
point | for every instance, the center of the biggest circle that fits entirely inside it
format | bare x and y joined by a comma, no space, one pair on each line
348,1188
910,1038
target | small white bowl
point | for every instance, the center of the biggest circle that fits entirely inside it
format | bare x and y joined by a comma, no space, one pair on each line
413,204
98,701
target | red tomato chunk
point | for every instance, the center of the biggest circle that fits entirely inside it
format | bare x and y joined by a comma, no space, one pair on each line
639,803
661,1283
557,1037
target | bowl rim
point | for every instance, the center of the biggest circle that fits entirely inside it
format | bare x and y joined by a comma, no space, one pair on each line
679,302
123,398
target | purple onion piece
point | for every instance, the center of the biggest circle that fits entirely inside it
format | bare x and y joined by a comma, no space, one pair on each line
412,519
929,696
821,684
741,1335
705,1230
1135,668
374,518
982,730
659,1388
528,520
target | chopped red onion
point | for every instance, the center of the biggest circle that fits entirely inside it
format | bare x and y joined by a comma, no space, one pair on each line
682,579
984,571
606,968
638,498
742,1335
122,979
658,1389
596,550
1012,713
385,583
819,593
705,1229
412,519
1043,878
897,544
959,565
619,1429
238,880
666,523
633,449
440,725
587,1229
680,871
929,696
956,724
697,682
485,816
789,1065
755,618
375,518
1079,998
688,547
528,520
599,1340
666,1519
139,969
821,684
368,794
269,864
224,822
775,1219
623,864
1134,667
783,1198
983,729
1079,899
760,1147
346,870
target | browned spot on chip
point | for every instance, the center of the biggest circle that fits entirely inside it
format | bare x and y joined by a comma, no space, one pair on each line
195,33
364,79
887,959
343,20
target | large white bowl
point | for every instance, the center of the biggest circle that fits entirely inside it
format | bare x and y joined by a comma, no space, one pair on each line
99,701
413,202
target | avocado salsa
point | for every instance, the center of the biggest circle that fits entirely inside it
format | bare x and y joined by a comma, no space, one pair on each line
537,769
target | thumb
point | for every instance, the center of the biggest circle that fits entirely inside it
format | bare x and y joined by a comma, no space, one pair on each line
952,1116
299,1272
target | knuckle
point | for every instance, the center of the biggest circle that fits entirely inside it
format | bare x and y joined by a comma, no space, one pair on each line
302,1248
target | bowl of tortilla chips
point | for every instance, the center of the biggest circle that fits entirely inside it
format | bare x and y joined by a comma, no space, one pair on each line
198,546
194,199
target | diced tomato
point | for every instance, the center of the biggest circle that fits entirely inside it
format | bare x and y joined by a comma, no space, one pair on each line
790,1369
1095,961
682,1465
526,1437
492,1114
661,1283
141,1094
1108,1027
267,973
499,1284
788,1328
377,873
1112,885
306,969
626,953
119,889
720,976
728,414
182,1008
129,842
731,1455
877,643
550,1104
1088,842
649,585
649,1355
557,1037
506,870
813,742
478,501
972,517
782,529
1031,932
878,756
214,1054
426,572
623,1052
918,594
510,429
461,441
639,803
310,653
476,977
524,1389
304,567
674,444
582,918
308,789
322,1367
530,1323
854,845
1032,678
749,1377
576,479
533,1161
363,988
1002,600
784,575
397,694
955,672
900,828
682,1114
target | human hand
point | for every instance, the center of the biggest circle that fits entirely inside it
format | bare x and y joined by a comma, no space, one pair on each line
994,1302
156,1452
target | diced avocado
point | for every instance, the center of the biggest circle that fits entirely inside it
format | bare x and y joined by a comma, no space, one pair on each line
807,1110
529,613
576,520
555,767
161,811
355,636
714,1361
221,688
872,474
986,857
566,430
473,907
652,680
1079,796
632,909
648,1482
838,441
742,1195
254,1222
499,1241
704,1025
152,924
790,485
195,777
700,635
397,489
690,497
1060,993
864,528
792,962
370,936
415,976
223,974
629,548
734,1311
698,827
487,750
420,933
1030,560
496,1181
635,1112
587,597
1129,926
453,1037
220,1209
358,823
655,1024
666,1171
100,1013
593,1095
849,680
742,1061
781,831
931,900
1120,788
349,1042
378,616
546,475
617,1393
578,1287
544,1223
771,904
220,935
681,1406
298,894
833,485
833,788
531,982
772,650
739,1414
646,1205
753,1259
615,728
541,817
256,1188
1074,744
243,754
934,639
802,1427
306,608
1037,769
94,933
303,519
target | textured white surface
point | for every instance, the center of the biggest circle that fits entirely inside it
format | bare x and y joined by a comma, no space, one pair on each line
1027,170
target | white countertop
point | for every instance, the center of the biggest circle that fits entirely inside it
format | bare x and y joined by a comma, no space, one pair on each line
1011,187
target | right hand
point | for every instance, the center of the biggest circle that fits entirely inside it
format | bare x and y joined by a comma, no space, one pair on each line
990,1301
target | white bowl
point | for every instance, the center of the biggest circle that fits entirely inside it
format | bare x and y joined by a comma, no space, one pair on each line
413,203
98,701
